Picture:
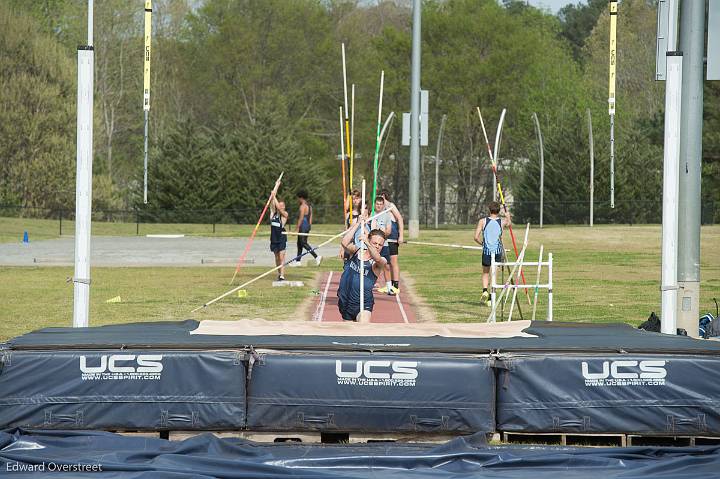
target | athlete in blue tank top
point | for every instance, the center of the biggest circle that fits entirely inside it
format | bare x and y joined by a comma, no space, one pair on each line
488,233
349,289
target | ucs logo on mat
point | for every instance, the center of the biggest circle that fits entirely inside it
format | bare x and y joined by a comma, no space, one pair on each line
625,373
121,366
376,373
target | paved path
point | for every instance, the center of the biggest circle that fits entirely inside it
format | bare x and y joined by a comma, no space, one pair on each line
146,251
387,309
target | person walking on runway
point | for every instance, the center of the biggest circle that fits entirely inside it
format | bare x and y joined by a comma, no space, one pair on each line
303,227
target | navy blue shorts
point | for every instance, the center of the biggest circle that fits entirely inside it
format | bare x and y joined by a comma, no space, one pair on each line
487,258
385,253
277,247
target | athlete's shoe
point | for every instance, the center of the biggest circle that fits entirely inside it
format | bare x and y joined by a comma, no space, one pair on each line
383,290
393,291
281,278
485,296
295,264
318,260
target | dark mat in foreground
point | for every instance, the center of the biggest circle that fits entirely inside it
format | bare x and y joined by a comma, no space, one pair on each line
63,454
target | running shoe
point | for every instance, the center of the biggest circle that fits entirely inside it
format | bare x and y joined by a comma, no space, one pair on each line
383,290
318,260
485,296
393,291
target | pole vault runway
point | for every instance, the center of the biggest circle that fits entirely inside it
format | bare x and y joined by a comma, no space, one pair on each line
387,309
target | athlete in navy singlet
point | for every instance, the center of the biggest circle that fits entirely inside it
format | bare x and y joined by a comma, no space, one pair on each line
349,288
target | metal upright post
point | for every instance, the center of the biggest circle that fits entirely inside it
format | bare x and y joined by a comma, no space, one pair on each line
692,45
83,179
437,169
673,93
414,193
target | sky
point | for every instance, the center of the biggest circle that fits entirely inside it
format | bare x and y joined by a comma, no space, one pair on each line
553,5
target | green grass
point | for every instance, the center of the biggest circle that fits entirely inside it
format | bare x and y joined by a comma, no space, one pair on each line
608,273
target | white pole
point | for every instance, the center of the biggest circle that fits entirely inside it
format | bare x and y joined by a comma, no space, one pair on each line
550,288
83,179
90,24
496,150
592,167
362,256
671,177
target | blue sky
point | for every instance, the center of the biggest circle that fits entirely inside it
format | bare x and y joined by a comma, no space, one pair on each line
553,5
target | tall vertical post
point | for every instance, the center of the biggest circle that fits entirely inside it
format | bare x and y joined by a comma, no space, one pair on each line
437,170
592,166
146,91
611,95
541,149
83,179
414,193
692,44
671,157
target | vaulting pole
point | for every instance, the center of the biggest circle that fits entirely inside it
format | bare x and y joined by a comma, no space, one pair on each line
348,200
257,225
378,140
611,96
352,142
146,91
496,184
362,254
342,159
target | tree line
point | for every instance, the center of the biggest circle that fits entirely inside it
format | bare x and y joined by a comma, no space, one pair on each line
242,89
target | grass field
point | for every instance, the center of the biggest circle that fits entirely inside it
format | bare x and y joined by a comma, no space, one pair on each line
608,273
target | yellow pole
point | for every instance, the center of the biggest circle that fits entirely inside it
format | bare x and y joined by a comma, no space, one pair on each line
146,91
611,95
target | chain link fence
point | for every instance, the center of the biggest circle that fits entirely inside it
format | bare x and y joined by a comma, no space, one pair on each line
448,214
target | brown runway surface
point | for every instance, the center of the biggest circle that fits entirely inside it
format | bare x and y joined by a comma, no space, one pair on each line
387,309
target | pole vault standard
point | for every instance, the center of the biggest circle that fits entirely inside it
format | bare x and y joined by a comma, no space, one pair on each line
378,139
146,92
346,198
246,283
611,95
257,225
496,184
